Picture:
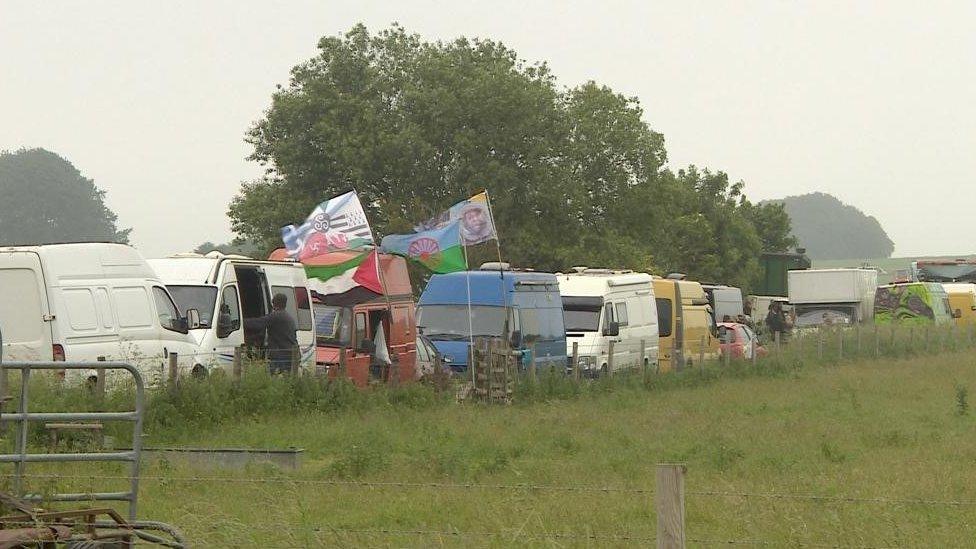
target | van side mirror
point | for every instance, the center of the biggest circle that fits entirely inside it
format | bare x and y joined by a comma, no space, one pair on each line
613,329
957,313
192,319
516,339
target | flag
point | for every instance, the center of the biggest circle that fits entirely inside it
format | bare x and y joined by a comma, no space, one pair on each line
438,249
336,224
477,225
339,272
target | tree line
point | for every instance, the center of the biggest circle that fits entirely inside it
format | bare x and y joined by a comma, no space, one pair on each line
576,176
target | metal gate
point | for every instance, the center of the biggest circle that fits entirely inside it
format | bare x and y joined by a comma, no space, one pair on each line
22,456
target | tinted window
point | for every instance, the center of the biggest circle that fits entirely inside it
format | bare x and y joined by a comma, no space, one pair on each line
332,325
289,293
304,309
664,316
582,314
229,317
621,313
169,316
422,354
452,322
361,334
608,315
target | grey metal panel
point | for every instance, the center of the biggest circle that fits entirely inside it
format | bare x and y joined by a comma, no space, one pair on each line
58,458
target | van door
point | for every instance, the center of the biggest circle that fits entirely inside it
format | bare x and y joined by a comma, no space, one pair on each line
25,317
623,351
290,280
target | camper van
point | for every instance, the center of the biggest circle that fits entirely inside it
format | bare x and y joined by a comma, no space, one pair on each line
962,302
725,301
376,332
685,323
912,303
603,305
228,289
89,302
496,301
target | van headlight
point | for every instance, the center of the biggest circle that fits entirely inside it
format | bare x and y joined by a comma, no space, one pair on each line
586,362
447,359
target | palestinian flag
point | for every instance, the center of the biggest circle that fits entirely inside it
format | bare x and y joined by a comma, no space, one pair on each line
339,272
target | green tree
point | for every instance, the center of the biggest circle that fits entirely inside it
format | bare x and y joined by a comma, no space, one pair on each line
830,229
47,200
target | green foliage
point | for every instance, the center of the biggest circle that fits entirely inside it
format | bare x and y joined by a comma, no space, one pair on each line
830,229
576,176
47,200
238,246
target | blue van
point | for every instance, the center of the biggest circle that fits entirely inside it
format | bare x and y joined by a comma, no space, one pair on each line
523,306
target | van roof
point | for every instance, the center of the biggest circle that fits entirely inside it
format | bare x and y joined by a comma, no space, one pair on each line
598,284
196,269
85,260
486,286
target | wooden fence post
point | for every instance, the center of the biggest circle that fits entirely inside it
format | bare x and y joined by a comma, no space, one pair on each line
100,383
669,503
727,351
820,343
840,343
877,342
777,337
610,359
174,369
575,364
701,353
643,358
296,358
238,363
857,340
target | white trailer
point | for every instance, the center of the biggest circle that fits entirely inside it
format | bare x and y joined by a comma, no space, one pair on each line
832,296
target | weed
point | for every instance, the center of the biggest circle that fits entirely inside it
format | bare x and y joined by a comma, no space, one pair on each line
962,400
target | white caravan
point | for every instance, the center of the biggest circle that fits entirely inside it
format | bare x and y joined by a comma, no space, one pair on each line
603,305
88,302
228,288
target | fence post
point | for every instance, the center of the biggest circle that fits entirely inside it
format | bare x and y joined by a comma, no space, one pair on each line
341,374
643,358
669,503
532,372
840,343
238,363
820,342
727,351
100,383
610,359
877,342
575,363
777,336
174,369
701,353
857,340
296,359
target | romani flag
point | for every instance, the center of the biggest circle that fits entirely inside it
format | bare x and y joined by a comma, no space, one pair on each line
437,249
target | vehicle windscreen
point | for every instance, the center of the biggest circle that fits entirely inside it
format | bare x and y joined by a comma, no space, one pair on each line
451,322
332,324
582,314
823,316
201,298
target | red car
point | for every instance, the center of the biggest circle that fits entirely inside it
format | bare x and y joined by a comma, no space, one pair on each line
739,340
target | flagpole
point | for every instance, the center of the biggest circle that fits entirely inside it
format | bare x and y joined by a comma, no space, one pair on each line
498,243
509,314
467,276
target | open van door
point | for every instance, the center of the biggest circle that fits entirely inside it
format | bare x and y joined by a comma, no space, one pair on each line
25,316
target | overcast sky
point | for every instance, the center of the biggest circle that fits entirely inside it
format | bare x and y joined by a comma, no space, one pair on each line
870,101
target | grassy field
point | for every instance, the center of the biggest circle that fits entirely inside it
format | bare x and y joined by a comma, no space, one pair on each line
579,471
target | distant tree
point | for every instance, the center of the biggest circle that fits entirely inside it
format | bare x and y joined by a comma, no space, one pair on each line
45,199
237,246
830,229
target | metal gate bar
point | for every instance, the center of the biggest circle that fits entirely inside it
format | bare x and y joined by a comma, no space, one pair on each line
21,457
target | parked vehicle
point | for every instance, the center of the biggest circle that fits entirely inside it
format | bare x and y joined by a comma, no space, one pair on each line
228,289
757,307
775,268
686,327
739,341
962,302
912,303
725,301
495,301
361,325
602,305
832,296
960,270
429,359
89,302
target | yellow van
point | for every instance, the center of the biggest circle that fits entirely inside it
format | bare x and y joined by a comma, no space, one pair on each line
962,302
684,323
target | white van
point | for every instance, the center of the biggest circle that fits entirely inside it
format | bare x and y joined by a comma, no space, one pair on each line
88,302
603,305
726,301
228,288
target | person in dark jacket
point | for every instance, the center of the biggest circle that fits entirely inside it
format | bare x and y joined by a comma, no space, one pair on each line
281,338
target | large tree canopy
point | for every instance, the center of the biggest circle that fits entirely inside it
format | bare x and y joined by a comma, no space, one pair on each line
45,199
830,229
576,176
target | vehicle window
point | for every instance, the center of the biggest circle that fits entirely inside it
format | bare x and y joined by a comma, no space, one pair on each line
332,324
582,314
531,326
422,351
291,307
456,323
621,310
361,334
725,335
304,307
169,315
664,317
201,298
229,317
607,315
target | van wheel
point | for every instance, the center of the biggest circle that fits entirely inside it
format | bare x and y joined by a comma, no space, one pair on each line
198,372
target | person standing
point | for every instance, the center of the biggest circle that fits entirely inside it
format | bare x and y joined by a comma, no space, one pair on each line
282,338
776,320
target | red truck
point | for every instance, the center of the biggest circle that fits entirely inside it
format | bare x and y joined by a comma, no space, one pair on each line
348,322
